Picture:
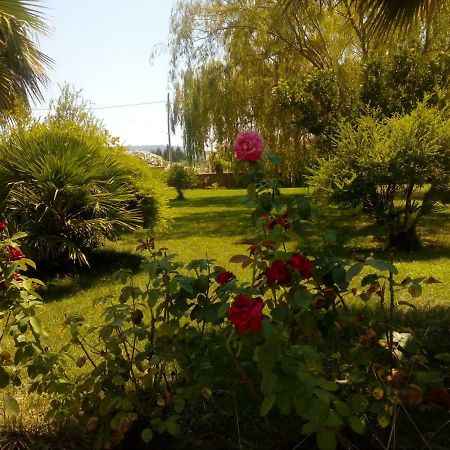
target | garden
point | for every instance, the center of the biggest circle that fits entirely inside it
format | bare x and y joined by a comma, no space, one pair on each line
305,308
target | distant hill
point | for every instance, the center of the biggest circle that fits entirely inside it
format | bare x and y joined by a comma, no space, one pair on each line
147,148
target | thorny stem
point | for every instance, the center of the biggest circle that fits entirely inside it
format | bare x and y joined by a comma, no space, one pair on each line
342,301
247,380
391,317
86,353
6,325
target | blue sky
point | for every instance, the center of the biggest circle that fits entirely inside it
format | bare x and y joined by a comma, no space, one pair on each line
103,47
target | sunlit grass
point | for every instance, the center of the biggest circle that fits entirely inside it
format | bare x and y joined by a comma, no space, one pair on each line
213,223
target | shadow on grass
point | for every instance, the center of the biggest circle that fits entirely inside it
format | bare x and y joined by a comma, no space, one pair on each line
104,263
207,202
359,234
227,223
225,201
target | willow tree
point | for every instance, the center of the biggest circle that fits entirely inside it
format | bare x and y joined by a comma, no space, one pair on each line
240,65
22,65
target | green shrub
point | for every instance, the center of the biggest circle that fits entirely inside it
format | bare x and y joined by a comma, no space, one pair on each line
150,188
383,164
181,178
65,190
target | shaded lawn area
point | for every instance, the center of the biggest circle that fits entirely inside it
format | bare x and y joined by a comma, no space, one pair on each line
213,223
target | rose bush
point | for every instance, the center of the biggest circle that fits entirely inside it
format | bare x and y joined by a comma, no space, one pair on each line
294,334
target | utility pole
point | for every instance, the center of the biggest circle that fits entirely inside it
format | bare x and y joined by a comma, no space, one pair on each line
169,148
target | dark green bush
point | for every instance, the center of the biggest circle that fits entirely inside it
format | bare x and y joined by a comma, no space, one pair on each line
66,190
397,169
181,178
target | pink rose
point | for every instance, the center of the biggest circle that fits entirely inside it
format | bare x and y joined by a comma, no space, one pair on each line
248,146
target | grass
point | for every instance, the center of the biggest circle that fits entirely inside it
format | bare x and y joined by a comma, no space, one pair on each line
212,223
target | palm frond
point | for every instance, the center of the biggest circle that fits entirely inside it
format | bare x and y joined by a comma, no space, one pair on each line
385,16
23,66
30,13
66,191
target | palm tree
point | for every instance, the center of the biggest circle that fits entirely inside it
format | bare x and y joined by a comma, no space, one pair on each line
22,65
389,15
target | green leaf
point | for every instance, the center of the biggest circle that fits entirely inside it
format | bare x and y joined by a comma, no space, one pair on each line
357,424
302,298
443,357
251,191
353,271
4,378
369,279
173,428
284,402
432,377
19,235
359,403
342,408
329,237
415,290
405,303
280,312
382,266
265,356
267,404
304,209
269,331
274,159
326,440
339,277
311,427
238,259
11,405
147,435
327,385
36,324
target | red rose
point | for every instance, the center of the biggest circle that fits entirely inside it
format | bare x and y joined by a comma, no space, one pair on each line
302,264
246,313
270,219
284,221
15,253
439,397
248,146
3,226
224,278
278,272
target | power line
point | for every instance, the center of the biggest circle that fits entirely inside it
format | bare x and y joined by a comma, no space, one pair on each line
112,106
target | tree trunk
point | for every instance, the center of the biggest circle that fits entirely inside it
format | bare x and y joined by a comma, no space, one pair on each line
406,239
180,194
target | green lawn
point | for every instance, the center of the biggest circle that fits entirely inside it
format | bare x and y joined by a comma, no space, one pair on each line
212,223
